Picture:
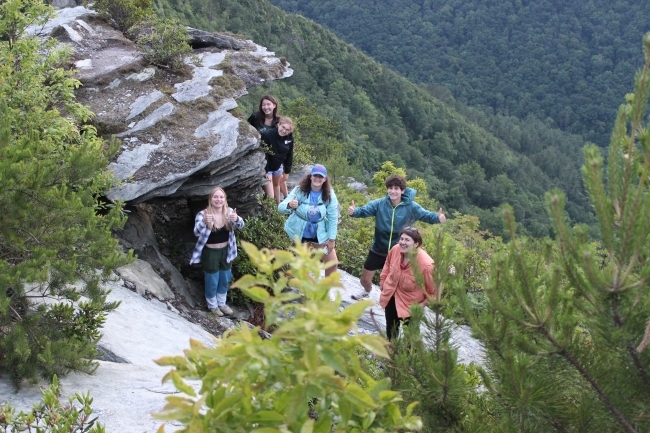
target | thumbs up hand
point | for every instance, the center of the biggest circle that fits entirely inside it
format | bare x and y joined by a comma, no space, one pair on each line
233,215
441,216
351,209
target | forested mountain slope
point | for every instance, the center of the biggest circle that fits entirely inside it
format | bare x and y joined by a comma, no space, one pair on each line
565,62
383,116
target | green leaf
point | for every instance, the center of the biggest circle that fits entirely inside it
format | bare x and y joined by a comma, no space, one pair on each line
358,396
374,344
308,426
356,310
333,360
180,384
368,420
267,416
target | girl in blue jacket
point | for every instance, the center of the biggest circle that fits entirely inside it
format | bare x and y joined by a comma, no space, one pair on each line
314,212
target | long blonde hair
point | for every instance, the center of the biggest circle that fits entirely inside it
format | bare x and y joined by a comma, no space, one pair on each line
224,212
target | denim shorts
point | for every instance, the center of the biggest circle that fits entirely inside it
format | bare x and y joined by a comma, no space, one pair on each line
276,173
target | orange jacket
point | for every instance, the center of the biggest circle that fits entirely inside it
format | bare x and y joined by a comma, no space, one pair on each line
400,282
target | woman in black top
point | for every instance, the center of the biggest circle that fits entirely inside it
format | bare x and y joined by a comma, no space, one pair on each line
264,119
278,144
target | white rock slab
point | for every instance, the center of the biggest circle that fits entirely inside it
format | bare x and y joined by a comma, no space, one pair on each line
143,102
145,279
126,394
63,16
209,60
198,86
220,124
156,116
72,33
130,161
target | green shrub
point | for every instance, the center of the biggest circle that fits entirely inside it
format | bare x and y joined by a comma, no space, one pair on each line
163,41
50,416
305,378
55,233
125,13
264,230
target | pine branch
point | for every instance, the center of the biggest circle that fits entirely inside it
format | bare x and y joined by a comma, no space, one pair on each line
618,322
557,425
585,374
646,339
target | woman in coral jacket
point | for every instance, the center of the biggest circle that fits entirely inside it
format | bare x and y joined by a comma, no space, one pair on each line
399,289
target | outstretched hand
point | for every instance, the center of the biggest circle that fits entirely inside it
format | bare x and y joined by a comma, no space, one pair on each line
441,216
351,209
233,215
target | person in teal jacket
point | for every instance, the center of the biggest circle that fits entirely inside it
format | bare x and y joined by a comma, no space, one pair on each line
392,213
313,214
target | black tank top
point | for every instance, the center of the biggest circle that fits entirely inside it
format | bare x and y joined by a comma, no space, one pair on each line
218,236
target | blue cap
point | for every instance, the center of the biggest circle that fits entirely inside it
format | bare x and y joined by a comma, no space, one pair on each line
319,169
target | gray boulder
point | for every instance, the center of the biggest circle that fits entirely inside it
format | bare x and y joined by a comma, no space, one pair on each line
178,135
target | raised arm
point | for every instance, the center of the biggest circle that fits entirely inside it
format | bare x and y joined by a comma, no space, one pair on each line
368,210
421,214
284,207
235,219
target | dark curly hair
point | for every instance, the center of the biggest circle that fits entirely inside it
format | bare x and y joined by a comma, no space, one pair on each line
395,180
305,187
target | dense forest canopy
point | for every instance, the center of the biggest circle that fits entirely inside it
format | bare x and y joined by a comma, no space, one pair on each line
471,166
566,63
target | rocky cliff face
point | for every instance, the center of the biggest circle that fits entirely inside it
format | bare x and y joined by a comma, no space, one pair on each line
178,134
179,137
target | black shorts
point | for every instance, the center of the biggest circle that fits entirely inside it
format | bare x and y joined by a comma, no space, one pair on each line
374,261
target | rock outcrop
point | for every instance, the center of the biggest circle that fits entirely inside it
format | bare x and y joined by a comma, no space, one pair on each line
178,136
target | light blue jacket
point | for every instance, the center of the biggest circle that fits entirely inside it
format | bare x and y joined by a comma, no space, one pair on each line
295,225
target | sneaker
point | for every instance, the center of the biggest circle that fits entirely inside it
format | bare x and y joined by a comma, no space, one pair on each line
216,311
361,295
226,310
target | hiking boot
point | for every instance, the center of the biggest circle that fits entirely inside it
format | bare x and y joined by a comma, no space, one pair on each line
362,294
226,310
216,311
